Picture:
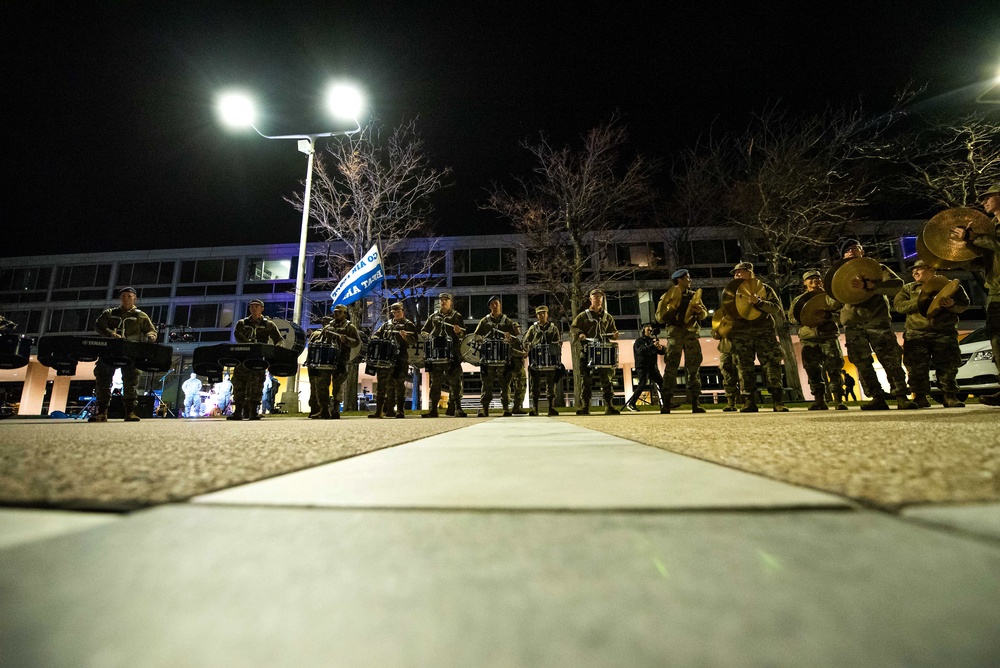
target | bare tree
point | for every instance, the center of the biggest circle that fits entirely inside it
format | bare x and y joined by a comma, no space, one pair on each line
569,210
943,163
374,187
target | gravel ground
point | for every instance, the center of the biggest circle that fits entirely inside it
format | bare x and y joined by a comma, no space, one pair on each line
123,466
888,459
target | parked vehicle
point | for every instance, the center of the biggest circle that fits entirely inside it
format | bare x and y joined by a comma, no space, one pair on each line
978,373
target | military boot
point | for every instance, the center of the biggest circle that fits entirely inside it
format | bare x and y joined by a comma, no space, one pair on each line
921,400
903,403
876,404
990,399
534,408
379,404
237,413
819,405
696,405
951,401
100,414
518,410
611,410
552,410
750,406
778,407
459,413
841,406
432,413
483,412
334,412
451,409
731,404
130,415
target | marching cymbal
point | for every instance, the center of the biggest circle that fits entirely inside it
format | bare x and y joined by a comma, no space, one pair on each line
937,233
722,325
845,271
671,299
815,311
749,286
933,292
725,346
694,306
930,258
729,298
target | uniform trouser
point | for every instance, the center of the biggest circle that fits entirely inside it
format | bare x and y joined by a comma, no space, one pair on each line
922,350
606,376
450,373
762,346
861,343
319,384
539,377
822,359
730,374
650,378
248,388
689,346
500,373
518,382
103,374
392,387
993,329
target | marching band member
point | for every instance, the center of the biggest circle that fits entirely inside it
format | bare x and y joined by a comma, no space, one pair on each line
446,321
542,332
821,354
121,322
496,325
248,386
391,392
340,331
931,339
682,337
757,339
595,323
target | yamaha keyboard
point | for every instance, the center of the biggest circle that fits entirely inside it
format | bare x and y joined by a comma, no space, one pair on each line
63,351
209,361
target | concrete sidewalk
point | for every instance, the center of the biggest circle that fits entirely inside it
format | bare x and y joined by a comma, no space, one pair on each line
512,542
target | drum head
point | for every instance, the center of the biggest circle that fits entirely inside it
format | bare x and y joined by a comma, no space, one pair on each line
470,348
416,352
293,337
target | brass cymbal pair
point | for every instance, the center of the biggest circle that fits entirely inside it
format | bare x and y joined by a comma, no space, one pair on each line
933,292
672,299
813,311
722,325
736,298
840,278
937,247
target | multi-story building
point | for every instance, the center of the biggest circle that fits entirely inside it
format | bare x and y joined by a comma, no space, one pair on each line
195,295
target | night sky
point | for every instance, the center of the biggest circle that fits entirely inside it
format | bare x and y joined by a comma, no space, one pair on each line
112,142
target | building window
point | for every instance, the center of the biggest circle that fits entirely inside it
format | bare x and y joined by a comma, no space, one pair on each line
259,269
204,316
73,319
485,260
28,322
145,273
209,271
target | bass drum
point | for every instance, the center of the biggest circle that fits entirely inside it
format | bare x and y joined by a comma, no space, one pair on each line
292,335
471,348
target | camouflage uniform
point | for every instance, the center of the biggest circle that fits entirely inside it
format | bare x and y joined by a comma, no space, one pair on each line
518,378
538,335
440,324
486,327
822,357
730,375
600,326
248,386
929,341
321,379
392,380
755,339
682,337
867,329
132,325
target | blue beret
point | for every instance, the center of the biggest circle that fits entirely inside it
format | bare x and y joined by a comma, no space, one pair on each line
680,273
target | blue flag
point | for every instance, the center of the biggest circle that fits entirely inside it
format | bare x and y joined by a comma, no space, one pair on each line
363,277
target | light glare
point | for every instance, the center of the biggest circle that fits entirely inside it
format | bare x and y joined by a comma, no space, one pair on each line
236,110
344,101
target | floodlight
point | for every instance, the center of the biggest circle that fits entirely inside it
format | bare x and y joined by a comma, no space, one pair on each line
236,110
344,101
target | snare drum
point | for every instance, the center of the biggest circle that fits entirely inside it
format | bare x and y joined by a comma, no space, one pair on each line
494,352
602,355
382,353
438,350
544,356
323,356
15,351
